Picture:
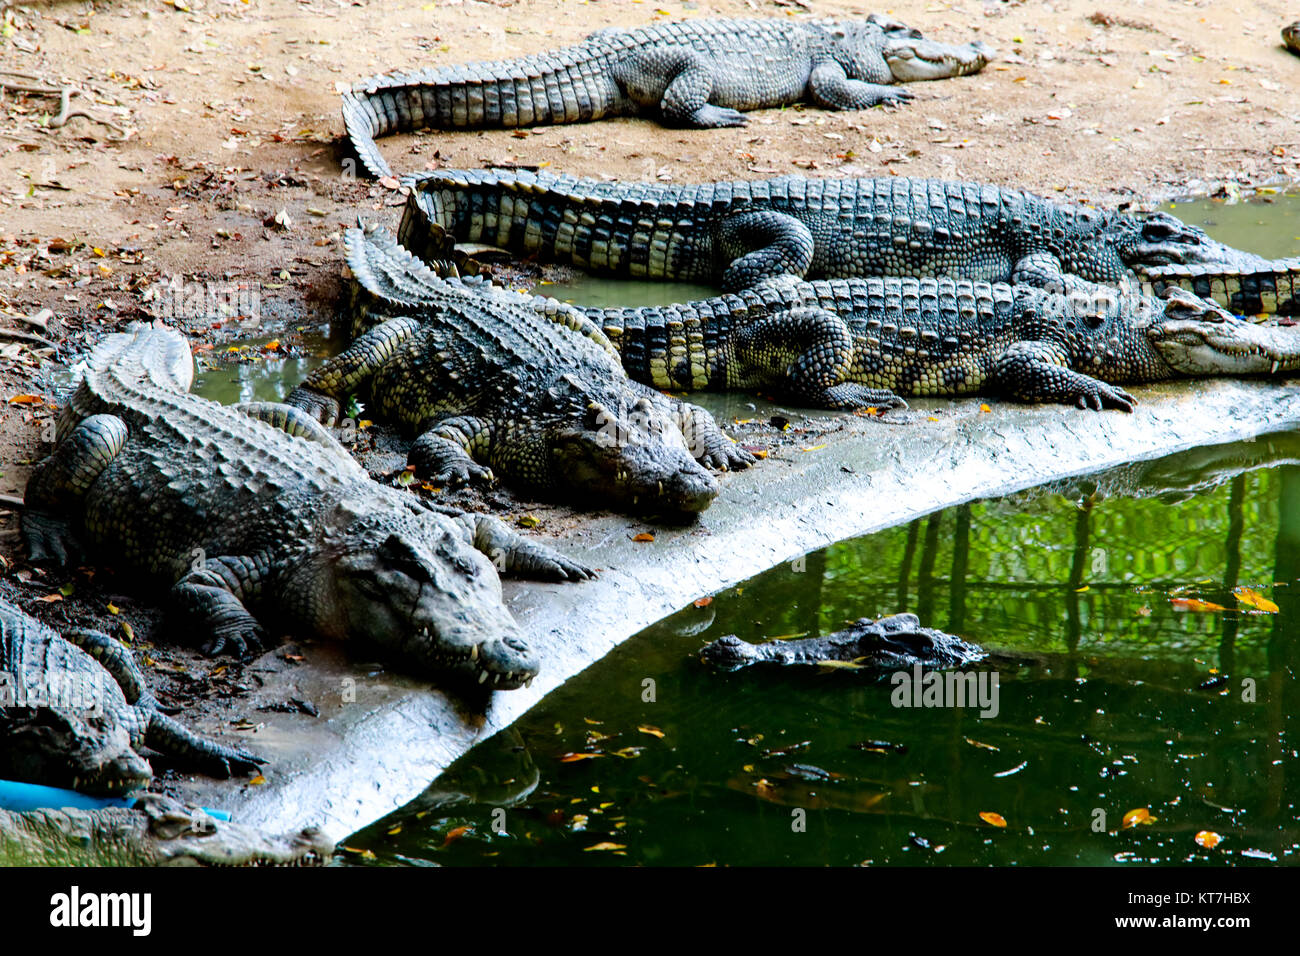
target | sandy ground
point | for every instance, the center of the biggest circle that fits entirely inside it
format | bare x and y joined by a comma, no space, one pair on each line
230,170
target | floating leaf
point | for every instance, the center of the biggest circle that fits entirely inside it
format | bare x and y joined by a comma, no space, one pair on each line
1252,598
575,757
1208,839
1195,604
831,665
652,730
1140,816
980,744
993,819
606,845
454,834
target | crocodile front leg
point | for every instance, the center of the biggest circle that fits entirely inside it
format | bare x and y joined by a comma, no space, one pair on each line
446,454
58,484
1037,372
679,81
830,88
116,658
763,245
212,597
514,554
708,444
168,736
809,353
322,392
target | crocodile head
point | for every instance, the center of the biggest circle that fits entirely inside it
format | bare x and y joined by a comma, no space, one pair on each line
180,836
909,55
633,458
414,586
1197,337
88,751
1161,239
899,642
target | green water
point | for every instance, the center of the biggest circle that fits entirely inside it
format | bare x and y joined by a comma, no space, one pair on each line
1267,223
1111,699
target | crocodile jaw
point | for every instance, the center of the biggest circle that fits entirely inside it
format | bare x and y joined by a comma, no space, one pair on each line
230,844
912,59
1196,337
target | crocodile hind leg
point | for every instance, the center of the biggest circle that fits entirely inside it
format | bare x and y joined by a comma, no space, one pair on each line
1036,372
762,245
211,597
830,88
171,737
117,659
324,389
445,454
679,81
808,353
58,484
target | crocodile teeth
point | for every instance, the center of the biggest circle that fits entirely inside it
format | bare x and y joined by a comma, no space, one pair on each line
1276,366
482,677
473,653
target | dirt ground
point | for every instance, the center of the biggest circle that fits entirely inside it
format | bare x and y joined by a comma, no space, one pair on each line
221,162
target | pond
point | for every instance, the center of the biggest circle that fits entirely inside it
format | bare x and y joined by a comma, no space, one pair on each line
1144,623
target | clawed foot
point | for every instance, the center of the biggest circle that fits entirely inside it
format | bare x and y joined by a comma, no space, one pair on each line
714,117
241,641
1099,395
849,396
320,407
726,455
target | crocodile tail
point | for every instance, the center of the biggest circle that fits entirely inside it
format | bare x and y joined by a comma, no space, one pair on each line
568,86
153,353
634,229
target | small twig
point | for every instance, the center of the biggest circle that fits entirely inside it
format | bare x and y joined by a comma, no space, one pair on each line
27,337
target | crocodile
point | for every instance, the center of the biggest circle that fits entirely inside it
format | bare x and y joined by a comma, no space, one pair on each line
255,521
154,831
854,343
486,386
1291,36
736,234
1266,288
893,643
698,73
74,713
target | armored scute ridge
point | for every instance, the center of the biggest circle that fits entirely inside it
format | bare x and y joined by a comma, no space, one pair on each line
257,522
74,713
851,343
697,73
894,643
156,831
740,233
1266,288
485,384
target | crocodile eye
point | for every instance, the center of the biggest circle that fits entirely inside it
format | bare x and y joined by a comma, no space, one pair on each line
1157,230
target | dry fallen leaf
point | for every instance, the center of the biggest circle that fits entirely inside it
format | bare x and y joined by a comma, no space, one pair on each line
25,400
643,536
703,602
